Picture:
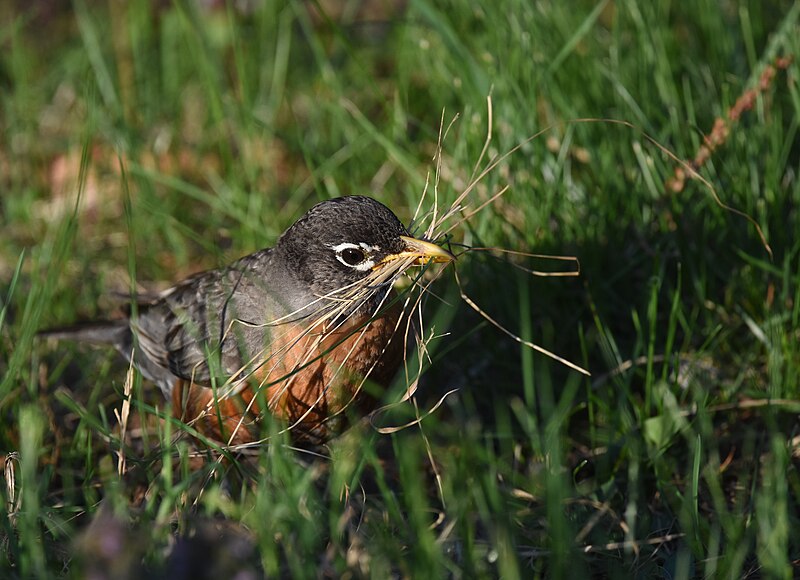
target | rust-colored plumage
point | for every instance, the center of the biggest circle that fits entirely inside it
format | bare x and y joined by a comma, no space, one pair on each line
308,380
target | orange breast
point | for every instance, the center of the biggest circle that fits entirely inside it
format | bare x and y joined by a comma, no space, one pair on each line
308,379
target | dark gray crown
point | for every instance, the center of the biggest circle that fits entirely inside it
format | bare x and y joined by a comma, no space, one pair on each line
307,248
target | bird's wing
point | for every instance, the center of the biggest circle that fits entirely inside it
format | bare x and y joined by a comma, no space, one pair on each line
213,325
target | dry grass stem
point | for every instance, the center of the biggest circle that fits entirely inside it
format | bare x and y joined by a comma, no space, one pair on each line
122,416
13,498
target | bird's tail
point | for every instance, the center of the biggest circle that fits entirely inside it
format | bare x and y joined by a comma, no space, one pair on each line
112,332
116,333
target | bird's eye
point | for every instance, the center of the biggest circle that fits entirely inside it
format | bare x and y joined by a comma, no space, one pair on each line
356,256
352,256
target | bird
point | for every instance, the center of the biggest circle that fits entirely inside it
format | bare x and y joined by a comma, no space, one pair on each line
295,330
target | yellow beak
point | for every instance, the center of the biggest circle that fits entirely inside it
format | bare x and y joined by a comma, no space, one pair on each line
424,252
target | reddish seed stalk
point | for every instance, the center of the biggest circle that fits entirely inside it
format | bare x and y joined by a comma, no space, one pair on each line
722,126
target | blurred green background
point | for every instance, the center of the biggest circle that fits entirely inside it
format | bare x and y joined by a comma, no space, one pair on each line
196,132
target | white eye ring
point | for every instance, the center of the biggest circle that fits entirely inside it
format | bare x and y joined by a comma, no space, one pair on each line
365,249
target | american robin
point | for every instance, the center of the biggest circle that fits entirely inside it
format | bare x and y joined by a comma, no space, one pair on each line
295,329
